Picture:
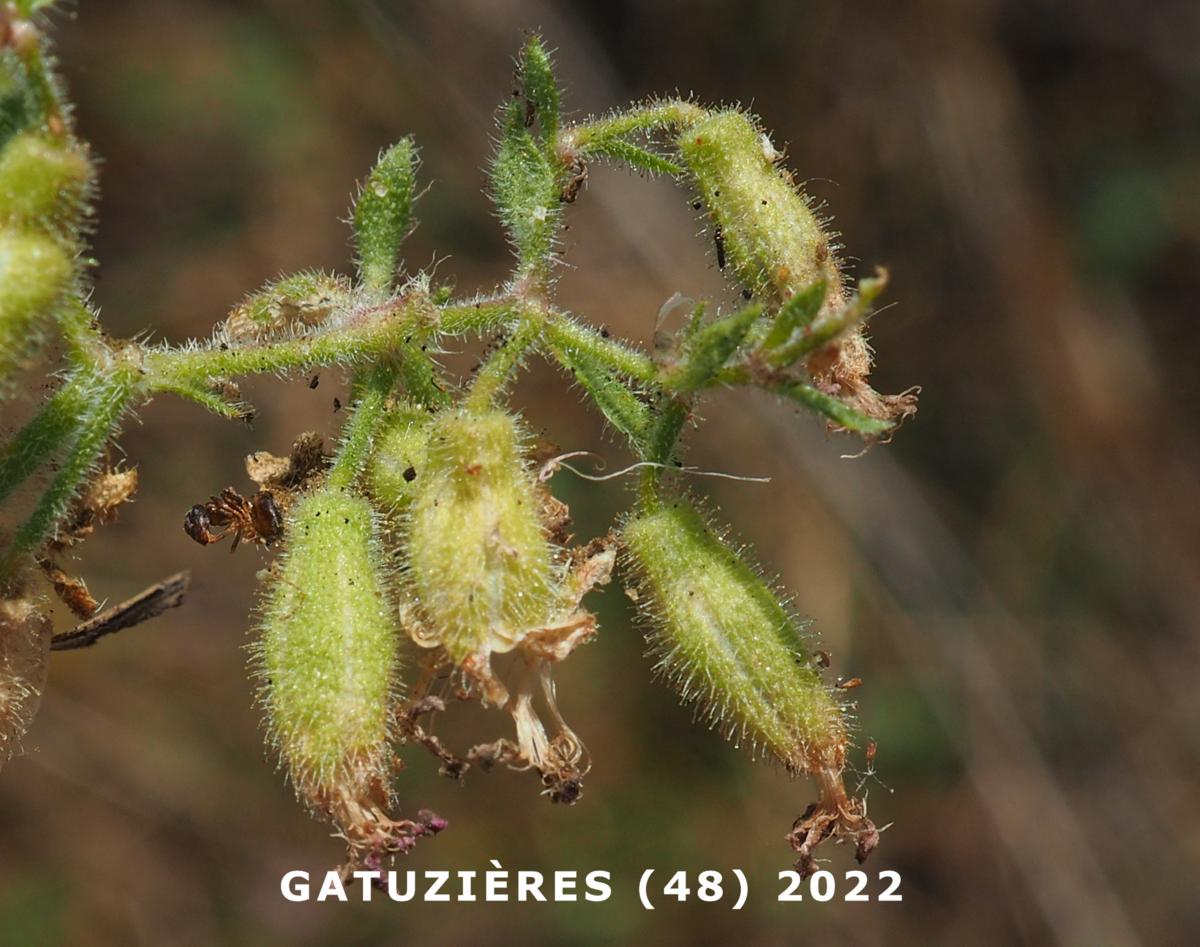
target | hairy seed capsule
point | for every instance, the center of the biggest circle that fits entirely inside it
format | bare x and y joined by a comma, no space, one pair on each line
328,660
43,183
25,633
723,638
34,272
768,231
398,461
480,564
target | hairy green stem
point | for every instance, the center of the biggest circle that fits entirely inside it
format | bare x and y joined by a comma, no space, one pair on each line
653,116
364,335
40,439
498,370
372,390
104,396
566,331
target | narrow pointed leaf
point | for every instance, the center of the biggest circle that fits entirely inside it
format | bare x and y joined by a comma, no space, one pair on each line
383,213
624,410
798,312
710,348
541,91
835,409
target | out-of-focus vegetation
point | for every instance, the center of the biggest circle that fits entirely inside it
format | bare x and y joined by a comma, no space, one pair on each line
1014,578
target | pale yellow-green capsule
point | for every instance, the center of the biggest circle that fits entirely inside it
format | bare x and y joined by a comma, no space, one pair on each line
25,633
35,272
723,638
766,229
328,657
398,458
44,183
480,566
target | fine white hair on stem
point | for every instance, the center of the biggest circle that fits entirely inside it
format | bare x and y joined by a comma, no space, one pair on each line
551,467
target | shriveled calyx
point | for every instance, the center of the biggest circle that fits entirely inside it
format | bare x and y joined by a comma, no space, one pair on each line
726,642
25,634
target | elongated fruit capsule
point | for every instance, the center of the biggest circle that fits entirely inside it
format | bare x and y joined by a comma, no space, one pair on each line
25,633
768,234
723,638
484,578
481,568
34,273
765,228
328,660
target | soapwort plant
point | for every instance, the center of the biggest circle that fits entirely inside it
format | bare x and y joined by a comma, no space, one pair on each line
426,549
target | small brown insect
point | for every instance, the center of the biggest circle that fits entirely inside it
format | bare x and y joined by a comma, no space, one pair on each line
871,748
850,684
257,519
822,659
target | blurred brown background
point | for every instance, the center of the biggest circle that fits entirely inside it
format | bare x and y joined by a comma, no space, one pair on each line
1014,578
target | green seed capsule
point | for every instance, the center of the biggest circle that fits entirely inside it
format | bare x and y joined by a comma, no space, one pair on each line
34,273
43,183
328,656
722,637
398,459
480,566
764,227
25,633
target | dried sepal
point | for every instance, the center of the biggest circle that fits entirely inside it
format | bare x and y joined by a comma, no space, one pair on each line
25,635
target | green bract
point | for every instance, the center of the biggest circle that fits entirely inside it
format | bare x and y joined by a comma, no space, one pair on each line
382,213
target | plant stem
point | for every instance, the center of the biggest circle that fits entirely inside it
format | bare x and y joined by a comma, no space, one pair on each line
653,116
491,379
564,330
103,398
37,442
360,335
373,387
